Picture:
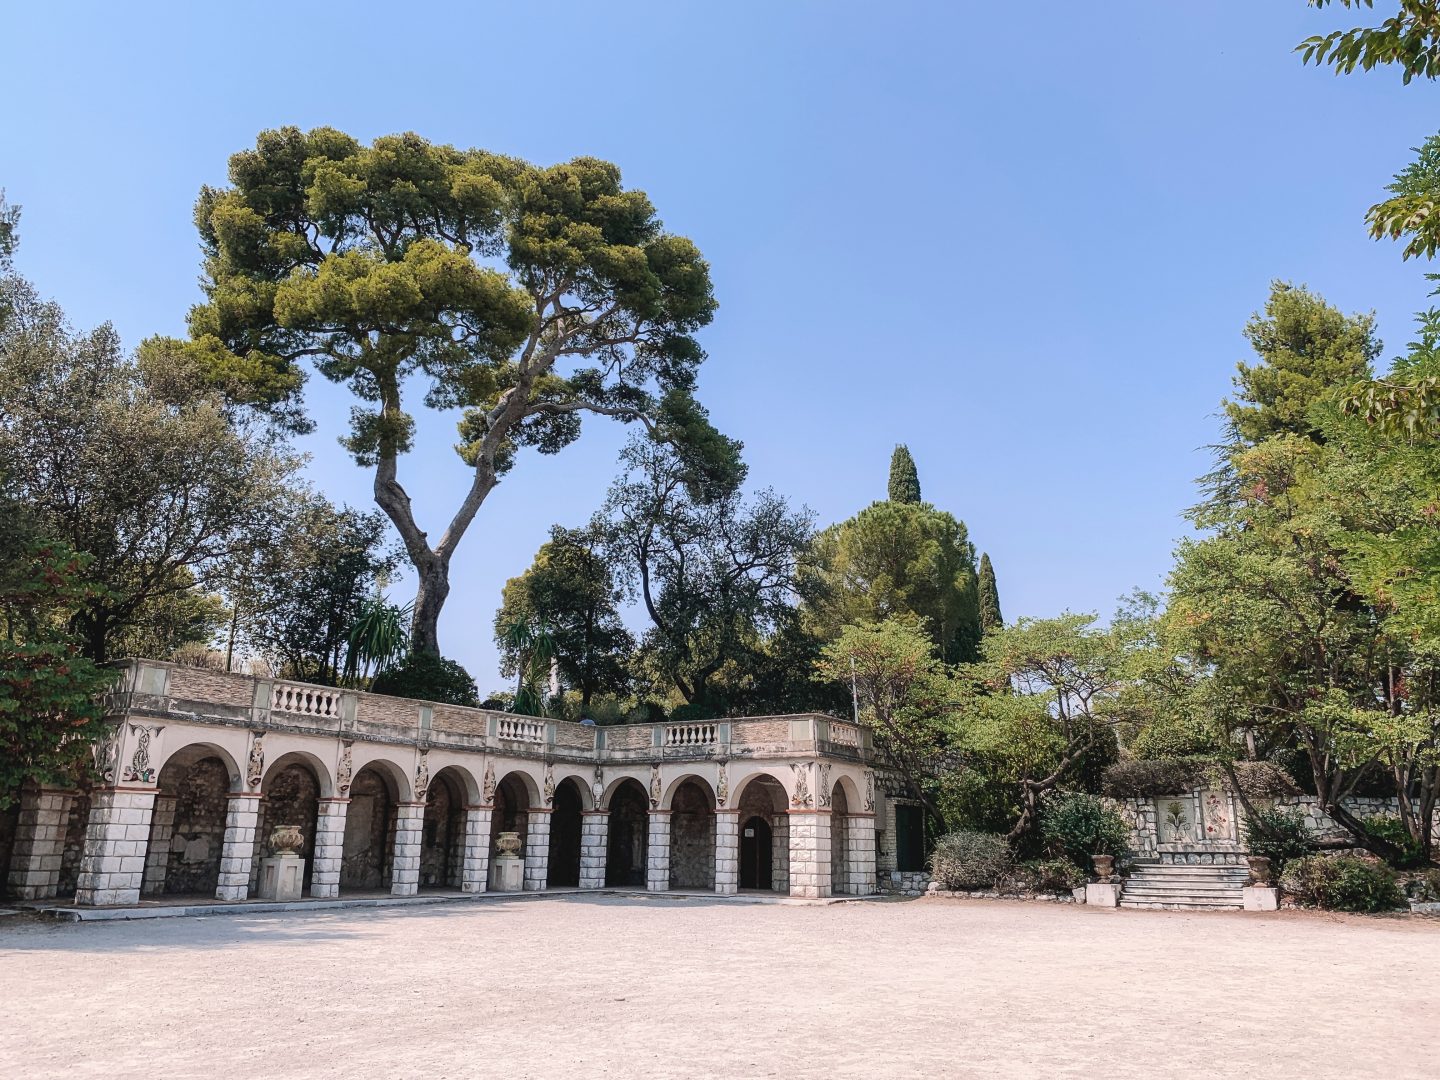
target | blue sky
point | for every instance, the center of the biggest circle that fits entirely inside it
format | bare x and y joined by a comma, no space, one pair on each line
1022,239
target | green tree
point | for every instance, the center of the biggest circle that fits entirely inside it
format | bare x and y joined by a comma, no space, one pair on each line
570,589
989,592
1409,38
904,479
525,297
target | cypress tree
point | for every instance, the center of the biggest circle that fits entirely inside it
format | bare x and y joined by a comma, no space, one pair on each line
990,618
904,480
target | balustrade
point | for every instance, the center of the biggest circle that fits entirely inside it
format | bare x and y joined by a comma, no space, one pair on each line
305,700
517,730
689,734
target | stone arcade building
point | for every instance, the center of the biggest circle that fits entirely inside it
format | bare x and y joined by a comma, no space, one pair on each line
395,795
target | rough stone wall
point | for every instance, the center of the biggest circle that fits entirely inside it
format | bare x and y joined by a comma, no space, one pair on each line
628,737
220,687
197,832
442,845
377,709
626,855
459,720
565,838
903,882
839,843
157,853
369,833
692,839
9,820
74,844
572,737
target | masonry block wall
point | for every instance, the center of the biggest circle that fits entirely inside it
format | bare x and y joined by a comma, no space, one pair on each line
594,848
39,844
537,851
113,867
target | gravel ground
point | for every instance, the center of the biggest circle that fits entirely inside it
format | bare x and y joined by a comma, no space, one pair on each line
608,986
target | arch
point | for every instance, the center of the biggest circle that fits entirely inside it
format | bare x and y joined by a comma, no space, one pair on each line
619,782
627,843
525,782
667,803
442,830
369,851
839,840
398,777
845,783
291,790
462,775
195,751
323,777
515,796
692,834
187,826
771,785
582,784
563,869
762,796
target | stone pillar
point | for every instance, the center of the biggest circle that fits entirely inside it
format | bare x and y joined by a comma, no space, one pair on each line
405,865
39,843
157,857
727,852
657,872
780,853
537,850
594,847
113,867
475,866
329,847
809,854
242,818
860,869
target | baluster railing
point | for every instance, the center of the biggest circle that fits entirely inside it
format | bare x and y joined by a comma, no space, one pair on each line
521,730
689,734
305,700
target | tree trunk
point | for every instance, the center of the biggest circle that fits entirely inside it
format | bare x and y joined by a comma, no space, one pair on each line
434,587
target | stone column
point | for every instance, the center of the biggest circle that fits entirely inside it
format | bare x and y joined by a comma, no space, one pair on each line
157,857
780,853
405,864
860,838
475,866
657,872
594,847
329,847
113,866
727,852
39,843
810,854
537,850
242,818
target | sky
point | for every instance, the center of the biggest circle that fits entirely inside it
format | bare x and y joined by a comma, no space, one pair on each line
1022,239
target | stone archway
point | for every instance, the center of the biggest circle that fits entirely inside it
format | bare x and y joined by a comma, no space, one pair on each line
187,826
627,847
291,796
839,841
442,832
692,836
565,828
763,798
369,852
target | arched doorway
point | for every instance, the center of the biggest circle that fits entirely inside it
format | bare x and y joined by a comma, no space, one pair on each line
627,851
187,826
442,835
839,842
510,814
291,793
756,854
692,837
369,831
564,868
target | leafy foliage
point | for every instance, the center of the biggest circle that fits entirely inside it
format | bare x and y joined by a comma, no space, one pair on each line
989,597
427,677
1279,835
1080,826
970,860
378,638
1342,883
1410,38
904,478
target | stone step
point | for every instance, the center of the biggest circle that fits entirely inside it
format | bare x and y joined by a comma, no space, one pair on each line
1184,897
1183,905
1156,883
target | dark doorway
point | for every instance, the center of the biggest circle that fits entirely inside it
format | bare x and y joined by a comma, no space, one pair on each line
909,838
756,850
564,868
628,843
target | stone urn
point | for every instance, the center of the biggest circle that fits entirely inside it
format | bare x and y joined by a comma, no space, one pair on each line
287,840
508,843
1260,869
1104,867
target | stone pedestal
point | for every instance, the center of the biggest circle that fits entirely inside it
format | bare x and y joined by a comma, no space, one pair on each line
113,866
594,846
809,854
282,877
329,847
1102,894
537,850
405,868
475,863
507,873
727,852
657,868
1260,898
242,817
40,844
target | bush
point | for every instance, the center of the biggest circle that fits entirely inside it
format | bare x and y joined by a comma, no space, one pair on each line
429,678
1342,883
1279,835
1048,876
1425,887
1391,829
970,860
1079,826
1144,779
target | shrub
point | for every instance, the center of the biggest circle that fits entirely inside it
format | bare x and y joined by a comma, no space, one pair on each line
429,678
970,860
1144,779
1079,826
1258,779
1425,887
1390,828
1049,876
1342,883
1279,835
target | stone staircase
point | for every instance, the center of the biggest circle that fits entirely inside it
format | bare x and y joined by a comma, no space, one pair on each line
1170,885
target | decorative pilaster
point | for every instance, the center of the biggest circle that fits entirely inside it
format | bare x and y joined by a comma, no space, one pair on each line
657,870
594,844
329,847
727,852
113,867
537,849
405,867
860,862
475,865
157,857
809,854
39,844
242,819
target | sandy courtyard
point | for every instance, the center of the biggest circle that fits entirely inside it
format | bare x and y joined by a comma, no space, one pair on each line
608,986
